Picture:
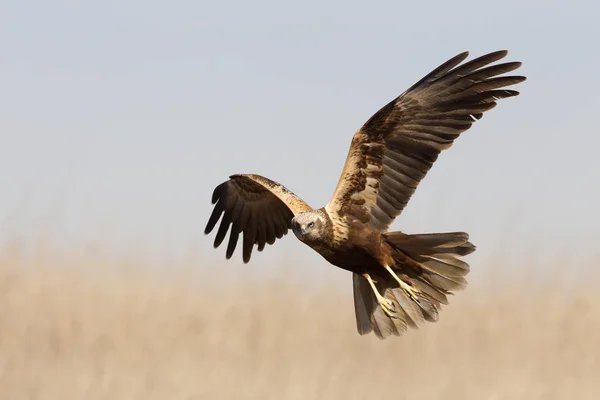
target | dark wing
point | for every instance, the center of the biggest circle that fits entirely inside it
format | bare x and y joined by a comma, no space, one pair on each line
257,207
393,151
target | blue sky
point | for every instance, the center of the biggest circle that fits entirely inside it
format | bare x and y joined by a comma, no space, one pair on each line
119,118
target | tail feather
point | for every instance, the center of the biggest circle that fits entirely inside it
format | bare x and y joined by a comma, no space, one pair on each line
370,317
431,264
444,262
444,282
413,310
364,304
433,243
436,295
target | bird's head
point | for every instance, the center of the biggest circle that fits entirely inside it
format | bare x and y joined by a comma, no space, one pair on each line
308,226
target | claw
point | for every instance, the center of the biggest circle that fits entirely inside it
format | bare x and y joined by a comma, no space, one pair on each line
388,308
409,290
412,293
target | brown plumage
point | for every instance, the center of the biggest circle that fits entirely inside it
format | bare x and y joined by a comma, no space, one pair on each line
399,280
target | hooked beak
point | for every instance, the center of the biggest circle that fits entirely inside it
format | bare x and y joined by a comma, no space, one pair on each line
297,228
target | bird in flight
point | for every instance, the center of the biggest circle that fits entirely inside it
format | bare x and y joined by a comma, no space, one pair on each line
399,280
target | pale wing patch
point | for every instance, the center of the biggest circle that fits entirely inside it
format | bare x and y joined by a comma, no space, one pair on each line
357,189
293,202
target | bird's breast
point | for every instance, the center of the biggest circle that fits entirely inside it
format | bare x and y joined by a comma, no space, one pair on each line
352,258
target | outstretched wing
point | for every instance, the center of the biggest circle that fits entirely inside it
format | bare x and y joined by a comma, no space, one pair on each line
257,207
393,151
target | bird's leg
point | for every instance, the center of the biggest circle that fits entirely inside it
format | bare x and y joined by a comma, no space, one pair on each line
410,291
386,304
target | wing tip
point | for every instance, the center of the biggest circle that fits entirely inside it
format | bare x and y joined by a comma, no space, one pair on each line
454,61
218,192
517,64
500,53
462,55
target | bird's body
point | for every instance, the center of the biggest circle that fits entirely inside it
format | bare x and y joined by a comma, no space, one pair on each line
362,251
399,280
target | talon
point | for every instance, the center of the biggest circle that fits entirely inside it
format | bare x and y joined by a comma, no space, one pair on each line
388,308
412,293
409,290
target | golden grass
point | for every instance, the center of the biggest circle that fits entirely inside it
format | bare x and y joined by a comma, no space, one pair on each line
79,326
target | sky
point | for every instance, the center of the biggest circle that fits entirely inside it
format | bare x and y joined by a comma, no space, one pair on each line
119,118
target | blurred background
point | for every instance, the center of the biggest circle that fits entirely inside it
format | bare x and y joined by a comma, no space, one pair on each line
119,118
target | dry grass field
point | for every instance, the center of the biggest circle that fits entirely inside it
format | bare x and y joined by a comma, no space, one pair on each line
81,326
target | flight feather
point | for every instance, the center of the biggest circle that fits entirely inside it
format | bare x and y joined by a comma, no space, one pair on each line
255,206
393,151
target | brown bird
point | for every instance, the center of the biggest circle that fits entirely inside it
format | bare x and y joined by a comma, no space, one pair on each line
399,280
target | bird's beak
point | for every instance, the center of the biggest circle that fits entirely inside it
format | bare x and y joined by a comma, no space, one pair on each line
297,229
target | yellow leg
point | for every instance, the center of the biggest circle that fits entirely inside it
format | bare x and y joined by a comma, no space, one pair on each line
410,291
386,305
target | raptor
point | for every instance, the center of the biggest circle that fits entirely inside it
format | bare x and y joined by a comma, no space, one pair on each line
399,280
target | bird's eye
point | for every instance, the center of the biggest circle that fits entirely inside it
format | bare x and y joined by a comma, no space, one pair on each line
310,225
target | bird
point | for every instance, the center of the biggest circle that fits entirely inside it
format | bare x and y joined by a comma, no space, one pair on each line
399,280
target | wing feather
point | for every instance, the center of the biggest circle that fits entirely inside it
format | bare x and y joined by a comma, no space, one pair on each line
254,206
394,150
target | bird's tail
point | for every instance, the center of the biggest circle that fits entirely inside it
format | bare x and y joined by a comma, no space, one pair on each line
431,264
